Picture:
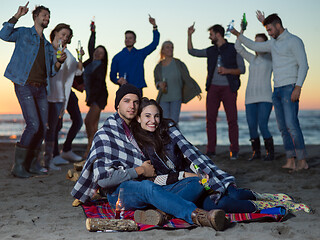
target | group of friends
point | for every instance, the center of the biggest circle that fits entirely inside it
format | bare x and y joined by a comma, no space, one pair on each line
140,148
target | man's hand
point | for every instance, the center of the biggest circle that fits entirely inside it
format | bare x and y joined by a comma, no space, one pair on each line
22,11
191,29
146,169
152,21
235,32
223,70
296,94
122,81
260,16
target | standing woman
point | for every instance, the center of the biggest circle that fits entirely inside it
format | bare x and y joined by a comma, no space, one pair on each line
94,76
174,82
258,100
60,88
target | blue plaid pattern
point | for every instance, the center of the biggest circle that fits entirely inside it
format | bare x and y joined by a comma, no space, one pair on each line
112,150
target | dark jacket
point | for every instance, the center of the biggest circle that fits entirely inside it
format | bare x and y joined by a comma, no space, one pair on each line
97,80
229,60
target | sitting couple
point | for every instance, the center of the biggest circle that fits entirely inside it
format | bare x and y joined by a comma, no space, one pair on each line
148,157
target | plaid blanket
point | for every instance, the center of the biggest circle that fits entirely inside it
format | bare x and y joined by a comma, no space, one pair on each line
113,150
102,209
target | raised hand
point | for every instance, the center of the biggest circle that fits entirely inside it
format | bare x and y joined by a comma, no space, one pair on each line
22,10
152,20
235,32
191,29
260,16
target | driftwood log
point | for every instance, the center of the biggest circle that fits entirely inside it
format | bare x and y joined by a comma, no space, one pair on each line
79,165
102,224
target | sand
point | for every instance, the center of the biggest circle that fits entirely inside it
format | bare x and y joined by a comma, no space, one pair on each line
40,207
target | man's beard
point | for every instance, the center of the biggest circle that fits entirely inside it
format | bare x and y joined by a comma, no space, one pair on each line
214,41
44,25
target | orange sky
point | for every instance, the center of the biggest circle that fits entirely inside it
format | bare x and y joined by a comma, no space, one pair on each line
172,23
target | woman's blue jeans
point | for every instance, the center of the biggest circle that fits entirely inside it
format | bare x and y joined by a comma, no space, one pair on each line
34,106
235,200
258,115
288,123
176,199
171,110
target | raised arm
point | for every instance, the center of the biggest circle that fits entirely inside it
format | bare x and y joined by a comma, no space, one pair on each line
260,16
92,42
190,32
191,50
8,33
155,41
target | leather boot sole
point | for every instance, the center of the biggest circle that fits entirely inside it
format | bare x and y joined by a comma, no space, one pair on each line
149,217
217,219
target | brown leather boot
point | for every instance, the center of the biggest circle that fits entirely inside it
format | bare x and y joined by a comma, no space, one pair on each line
215,219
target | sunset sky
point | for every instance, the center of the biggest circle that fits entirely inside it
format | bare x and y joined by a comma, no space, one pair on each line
173,17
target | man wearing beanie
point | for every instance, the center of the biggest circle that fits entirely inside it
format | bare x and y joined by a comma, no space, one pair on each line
116,162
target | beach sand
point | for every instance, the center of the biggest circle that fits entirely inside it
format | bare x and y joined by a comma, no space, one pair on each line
40,207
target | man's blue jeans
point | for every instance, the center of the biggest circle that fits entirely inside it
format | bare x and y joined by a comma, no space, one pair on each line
54,113
176,199
34,106
171,110
235,200
258,115
288,123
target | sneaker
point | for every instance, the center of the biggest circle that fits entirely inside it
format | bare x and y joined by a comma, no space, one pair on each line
233,155
211,154
71,156
58,160
53,167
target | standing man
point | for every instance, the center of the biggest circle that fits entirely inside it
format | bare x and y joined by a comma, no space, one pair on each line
224,68
32,63
116,161
127,65
290,67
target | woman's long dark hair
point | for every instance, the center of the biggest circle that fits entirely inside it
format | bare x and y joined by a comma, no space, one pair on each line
105,59
159,138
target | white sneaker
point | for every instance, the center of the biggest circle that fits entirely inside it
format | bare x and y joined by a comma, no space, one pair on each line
53,167
57,160
71,156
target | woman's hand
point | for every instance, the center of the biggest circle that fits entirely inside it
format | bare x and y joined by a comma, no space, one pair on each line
260,16
162,85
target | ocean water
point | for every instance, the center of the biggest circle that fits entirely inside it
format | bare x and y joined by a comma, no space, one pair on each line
192,125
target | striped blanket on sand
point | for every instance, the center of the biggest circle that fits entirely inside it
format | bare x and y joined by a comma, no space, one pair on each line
102,209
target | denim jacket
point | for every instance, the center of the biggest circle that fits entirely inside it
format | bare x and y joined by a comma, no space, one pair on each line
27,42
